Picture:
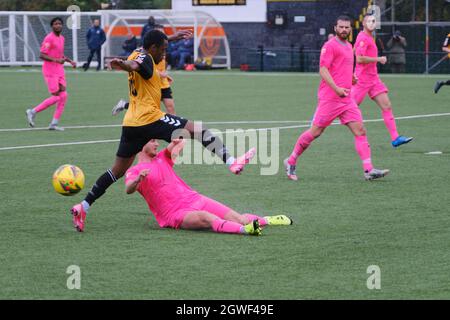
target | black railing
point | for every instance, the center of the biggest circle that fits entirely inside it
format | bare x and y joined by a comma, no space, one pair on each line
298,59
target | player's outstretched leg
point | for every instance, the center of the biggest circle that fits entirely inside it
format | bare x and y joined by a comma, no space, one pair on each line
439,85
201,220
31,113
79,211
216,146
386,109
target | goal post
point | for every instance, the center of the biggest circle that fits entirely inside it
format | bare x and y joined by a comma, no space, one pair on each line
22,32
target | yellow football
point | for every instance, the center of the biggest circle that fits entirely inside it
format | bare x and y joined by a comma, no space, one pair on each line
68,180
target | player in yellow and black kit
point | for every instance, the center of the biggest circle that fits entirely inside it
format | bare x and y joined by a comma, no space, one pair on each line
166,91
144,121
445,48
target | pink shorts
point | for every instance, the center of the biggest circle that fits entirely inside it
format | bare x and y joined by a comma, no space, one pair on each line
53,82
328,110
174,220
374,89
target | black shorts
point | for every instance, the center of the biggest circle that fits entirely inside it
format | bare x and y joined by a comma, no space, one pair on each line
133,139
166,93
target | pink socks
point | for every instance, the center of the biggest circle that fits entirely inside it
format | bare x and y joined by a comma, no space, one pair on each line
60,106
60,100
302,144
389,121
363,148
46,103
224,226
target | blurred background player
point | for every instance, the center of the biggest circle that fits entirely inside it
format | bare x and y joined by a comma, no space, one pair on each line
166,81
336,70
175,205
52,52
445,48
369,82
144,121
95,37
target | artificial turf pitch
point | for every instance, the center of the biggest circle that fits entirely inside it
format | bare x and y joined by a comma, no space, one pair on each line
343,224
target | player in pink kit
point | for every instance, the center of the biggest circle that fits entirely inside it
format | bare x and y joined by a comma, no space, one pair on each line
369,82
52,52
175,205
336,70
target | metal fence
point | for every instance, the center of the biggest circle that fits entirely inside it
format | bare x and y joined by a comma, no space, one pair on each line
299,60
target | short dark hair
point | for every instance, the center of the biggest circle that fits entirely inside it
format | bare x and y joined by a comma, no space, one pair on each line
54,20
154,37
342,18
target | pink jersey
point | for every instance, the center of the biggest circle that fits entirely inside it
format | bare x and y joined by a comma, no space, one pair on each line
337,57
164,191
53,46
365,46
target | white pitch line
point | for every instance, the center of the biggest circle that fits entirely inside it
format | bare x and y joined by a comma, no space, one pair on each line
119,125
58,144
227,131
223,122
68,127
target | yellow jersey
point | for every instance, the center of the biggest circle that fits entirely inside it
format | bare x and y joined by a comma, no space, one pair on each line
162,68
145,92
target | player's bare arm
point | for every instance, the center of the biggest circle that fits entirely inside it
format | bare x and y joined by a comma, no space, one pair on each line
445,49
326,76
129,65
133,185
73,63
366,60
175,148
46,57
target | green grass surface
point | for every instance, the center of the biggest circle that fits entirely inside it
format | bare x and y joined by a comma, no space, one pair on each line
342,223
